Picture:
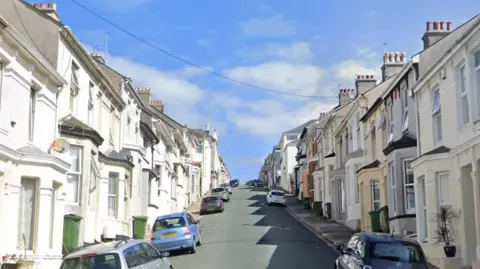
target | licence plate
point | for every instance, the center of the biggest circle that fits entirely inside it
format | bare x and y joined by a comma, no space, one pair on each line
169,235
211,209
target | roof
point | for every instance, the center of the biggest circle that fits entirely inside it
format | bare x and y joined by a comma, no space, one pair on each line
173,215
384,237
299,129
102,248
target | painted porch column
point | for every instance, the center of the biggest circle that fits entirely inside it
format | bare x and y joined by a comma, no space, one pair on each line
58,220
44,217
431,191
420,203
476,197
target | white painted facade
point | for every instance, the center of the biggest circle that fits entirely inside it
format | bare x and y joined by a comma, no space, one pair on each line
31,196
449,116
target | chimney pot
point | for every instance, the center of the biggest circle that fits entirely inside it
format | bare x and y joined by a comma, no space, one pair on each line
429,25
35,5
385,57
449,25
43,6
435,25
442,25
52,6
358,77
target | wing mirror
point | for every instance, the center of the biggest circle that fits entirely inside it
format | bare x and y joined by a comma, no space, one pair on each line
197,221
165,254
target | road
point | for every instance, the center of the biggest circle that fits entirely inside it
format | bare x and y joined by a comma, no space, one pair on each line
252,235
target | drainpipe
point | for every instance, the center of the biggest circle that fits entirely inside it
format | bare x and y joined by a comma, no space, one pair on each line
417,116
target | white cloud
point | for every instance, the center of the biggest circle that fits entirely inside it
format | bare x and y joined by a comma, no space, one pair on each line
204,42
348,69
282,76
191,71
274,26
295,52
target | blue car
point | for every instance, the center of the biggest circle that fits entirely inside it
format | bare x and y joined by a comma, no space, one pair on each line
176,232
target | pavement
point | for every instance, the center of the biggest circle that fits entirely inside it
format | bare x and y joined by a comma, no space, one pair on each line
249,234
329,230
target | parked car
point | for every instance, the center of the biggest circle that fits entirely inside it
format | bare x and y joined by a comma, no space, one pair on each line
250,183
372,250
258,184
126,254
234,183
228,188
211,204
179,231
222,193
276,197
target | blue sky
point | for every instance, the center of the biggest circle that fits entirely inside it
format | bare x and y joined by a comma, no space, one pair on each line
305,47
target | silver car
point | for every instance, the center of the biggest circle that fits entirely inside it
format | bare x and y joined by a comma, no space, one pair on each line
222,193
126,254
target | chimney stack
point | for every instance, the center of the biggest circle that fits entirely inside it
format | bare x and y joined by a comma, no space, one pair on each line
49,9
214,135
158,105
344,96
364,83
98,57
144,94
393,62
435,31
207,127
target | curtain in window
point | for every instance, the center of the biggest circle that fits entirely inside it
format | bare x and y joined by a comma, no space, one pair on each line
26,213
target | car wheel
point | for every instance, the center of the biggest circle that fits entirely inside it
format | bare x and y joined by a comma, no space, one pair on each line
193,249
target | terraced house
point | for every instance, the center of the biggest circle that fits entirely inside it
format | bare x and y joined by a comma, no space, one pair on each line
85,156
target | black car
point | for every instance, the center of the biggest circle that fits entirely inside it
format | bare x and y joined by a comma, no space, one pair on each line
372,250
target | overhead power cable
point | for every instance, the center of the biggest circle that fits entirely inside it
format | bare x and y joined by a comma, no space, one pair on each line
256,87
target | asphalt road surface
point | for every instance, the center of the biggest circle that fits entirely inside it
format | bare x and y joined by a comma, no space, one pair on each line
251,235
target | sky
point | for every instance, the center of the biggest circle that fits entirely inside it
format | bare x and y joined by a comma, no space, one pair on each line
307,47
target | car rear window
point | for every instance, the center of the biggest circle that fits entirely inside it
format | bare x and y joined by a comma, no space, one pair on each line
218,190
277,193
397,251
110,261
210,199
168,223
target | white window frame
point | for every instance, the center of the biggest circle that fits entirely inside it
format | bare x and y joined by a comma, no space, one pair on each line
113,196
359,135
407,170
404,90
79,174
2,72
437,113
373,136
31,114
390,124
393,186
357,184
476,75
438,178
342,197
375,184
91,105
34,217
112,125
74,87
463,104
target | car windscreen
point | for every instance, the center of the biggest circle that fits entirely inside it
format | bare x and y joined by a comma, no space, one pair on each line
218,190
110,260
277,193
210,199
168,223
397,251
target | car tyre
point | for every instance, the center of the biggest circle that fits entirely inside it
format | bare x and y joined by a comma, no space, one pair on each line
199,243
193,249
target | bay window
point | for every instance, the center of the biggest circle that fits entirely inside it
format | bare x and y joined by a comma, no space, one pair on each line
404,92
409,187
357,184
477,79
74,176
436,116
27,213
341,189
442,189
112,194
393,191
375,195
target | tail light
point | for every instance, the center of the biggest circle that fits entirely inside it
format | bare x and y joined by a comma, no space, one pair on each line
90,255
219,202
187,232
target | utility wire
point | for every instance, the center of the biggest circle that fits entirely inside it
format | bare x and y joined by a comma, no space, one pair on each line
192,63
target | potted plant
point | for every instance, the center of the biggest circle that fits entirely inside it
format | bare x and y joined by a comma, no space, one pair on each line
23,262
444,217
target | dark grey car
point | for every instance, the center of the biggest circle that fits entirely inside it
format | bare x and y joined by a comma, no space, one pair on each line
211,204
375,250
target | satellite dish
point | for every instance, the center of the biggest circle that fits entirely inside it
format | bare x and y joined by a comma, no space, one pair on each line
60,145
352,94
